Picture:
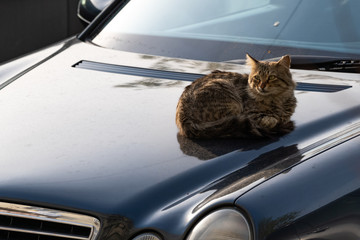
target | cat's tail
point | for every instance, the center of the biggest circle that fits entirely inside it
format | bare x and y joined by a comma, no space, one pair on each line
230,127
278,130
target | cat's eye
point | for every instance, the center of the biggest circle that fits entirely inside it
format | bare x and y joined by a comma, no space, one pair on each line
271,78
256,78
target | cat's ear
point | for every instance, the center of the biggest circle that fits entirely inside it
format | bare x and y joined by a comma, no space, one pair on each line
285,61
251,61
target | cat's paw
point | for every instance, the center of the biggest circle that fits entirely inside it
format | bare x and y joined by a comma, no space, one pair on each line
268,122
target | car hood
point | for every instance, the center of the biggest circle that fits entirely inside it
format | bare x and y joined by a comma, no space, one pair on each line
104,140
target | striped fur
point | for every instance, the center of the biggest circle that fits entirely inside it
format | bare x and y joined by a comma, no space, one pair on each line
227,104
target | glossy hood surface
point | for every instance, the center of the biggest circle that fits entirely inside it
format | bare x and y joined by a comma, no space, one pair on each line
107,142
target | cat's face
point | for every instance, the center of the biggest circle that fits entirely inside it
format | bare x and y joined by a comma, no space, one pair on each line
270,78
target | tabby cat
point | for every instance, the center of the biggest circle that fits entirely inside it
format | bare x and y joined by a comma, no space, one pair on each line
228,104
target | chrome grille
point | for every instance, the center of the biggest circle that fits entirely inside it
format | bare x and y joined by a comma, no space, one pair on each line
20,222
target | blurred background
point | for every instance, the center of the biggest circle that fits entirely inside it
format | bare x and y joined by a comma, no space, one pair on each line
27,25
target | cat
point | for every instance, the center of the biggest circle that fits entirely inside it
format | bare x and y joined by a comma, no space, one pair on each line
233,105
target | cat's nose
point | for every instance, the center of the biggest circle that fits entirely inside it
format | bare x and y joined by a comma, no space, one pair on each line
262,86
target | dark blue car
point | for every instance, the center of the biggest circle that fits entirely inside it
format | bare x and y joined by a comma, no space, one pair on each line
90,148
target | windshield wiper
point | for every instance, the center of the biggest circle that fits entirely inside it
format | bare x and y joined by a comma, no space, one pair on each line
321,63
325,63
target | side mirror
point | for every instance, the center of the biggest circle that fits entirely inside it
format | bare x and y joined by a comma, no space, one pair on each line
89,9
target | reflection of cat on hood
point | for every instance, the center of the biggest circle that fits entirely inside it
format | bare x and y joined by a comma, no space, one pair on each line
205,149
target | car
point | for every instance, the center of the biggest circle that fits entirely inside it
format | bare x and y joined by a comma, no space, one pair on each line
90,148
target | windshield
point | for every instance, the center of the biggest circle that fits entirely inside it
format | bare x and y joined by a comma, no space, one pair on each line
224,30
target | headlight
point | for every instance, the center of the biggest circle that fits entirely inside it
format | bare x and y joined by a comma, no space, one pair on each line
147,236
224,224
